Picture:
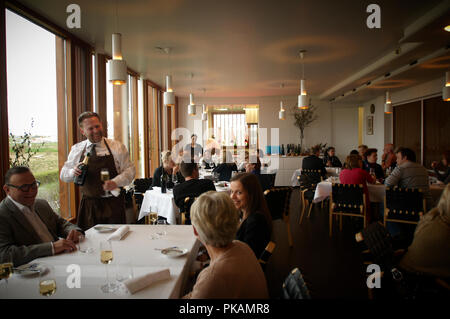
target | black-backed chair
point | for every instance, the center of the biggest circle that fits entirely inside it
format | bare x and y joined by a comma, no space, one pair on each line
268,251
403,205
294,287
267,181
185,210
307,190
278,200
347,200
141,185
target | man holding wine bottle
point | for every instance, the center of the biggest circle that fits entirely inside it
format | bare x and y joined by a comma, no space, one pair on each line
106,168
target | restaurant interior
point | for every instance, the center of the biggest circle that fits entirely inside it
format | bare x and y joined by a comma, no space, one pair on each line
242,88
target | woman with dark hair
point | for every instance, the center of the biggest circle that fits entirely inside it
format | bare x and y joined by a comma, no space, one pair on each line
445,178
370,163
256,223
226,167
330,159
253,166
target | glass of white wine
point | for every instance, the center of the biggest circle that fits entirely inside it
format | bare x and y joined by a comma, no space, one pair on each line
106,257
104,176
47,282
6,269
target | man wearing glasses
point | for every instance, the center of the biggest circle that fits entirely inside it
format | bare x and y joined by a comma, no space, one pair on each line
29,228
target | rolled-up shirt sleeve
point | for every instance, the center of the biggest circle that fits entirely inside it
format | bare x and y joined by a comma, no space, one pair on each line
67,171
125,168
394,178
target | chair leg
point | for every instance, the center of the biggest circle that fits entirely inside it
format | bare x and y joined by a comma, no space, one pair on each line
340,222
304,205
310,207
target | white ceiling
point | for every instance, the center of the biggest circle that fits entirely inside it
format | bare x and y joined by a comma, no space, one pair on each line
248,48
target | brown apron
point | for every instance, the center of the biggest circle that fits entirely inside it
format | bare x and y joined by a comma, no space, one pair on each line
95,209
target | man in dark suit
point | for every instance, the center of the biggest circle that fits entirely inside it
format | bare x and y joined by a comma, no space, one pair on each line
314,162
192,186
29,228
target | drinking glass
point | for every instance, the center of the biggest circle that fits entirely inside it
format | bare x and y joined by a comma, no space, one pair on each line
6,269
104,176
124,270
47,281
162,227
84,245
106,257
153,217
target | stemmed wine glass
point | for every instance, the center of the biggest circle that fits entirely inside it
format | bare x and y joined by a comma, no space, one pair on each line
6,268
106,257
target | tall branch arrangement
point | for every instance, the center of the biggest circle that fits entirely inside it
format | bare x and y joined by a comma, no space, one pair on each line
303,119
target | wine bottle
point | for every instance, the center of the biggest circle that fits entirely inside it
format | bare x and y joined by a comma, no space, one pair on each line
164,182
282,150
80,179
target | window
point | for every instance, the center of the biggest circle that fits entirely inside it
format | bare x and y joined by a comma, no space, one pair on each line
230,128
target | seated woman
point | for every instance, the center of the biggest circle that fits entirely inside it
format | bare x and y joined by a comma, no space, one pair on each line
354,174
168,167
444,178
429,250
243,164
234,271
253,166
330,159
370,163
206,161
256,223
226,167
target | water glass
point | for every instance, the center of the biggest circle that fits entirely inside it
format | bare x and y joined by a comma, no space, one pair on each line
84,244
47,281
124,270
162,227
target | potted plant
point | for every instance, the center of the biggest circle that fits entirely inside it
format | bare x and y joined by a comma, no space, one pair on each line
303,119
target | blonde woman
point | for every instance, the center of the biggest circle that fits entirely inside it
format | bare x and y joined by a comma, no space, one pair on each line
234,271
168,167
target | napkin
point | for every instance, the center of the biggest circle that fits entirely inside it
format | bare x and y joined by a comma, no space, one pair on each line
116,192
135,284
119,233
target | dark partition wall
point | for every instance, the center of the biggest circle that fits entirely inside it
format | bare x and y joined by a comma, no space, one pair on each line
436,129
407,126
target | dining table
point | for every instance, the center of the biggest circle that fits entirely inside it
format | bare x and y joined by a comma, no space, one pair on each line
140,249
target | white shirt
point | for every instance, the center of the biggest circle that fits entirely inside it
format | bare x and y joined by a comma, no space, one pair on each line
124,166
36,222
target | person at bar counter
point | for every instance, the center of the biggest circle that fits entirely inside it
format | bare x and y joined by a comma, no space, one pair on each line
409,174
330,159
194,149
101,202
234,271
314,162
192,186
370,163
29,228
445,166
388,160
170,168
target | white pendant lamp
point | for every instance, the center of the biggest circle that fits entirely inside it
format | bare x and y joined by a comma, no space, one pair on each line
388,104
303,97
169,95
204,113
282,113
117,66
446,88
191,105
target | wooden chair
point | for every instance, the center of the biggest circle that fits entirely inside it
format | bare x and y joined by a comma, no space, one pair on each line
294,287
308,180
347,200
278,200
186,210
268,251
403,205
267,181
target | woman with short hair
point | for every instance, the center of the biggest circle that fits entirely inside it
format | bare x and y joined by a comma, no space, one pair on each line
330,159
234,271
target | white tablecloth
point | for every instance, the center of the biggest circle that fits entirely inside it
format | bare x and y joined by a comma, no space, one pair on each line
161,203
331,171
137,247
376,192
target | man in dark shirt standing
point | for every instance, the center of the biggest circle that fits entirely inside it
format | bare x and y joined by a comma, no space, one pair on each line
192,186
314,162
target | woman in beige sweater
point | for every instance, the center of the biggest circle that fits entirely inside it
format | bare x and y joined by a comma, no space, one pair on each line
429,252
234,271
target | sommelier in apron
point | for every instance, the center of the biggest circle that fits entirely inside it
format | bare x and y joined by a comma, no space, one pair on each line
101,201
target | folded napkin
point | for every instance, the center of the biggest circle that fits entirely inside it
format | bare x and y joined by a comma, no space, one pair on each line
135,284
115,192
119,233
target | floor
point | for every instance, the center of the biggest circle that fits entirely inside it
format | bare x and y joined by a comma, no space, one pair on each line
332,266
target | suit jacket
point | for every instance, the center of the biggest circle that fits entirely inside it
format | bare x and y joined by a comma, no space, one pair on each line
19,238
313,162
191,188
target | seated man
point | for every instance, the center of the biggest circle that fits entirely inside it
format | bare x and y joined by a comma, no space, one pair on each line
388,160
29,228
314,162
192,186
409,174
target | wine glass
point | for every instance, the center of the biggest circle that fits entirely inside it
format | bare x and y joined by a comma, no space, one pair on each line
6,268
47,282
106,257
162,225
104,176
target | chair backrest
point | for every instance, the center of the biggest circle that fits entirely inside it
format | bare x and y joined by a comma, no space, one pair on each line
141,185
314,175
186,210
294,287
278,201
268,251
405,203
347,197
267,181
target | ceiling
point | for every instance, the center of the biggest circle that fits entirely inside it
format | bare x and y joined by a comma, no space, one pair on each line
247,48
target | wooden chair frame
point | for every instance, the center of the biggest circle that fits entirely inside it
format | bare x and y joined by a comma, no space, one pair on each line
266,254
305,202
386,211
